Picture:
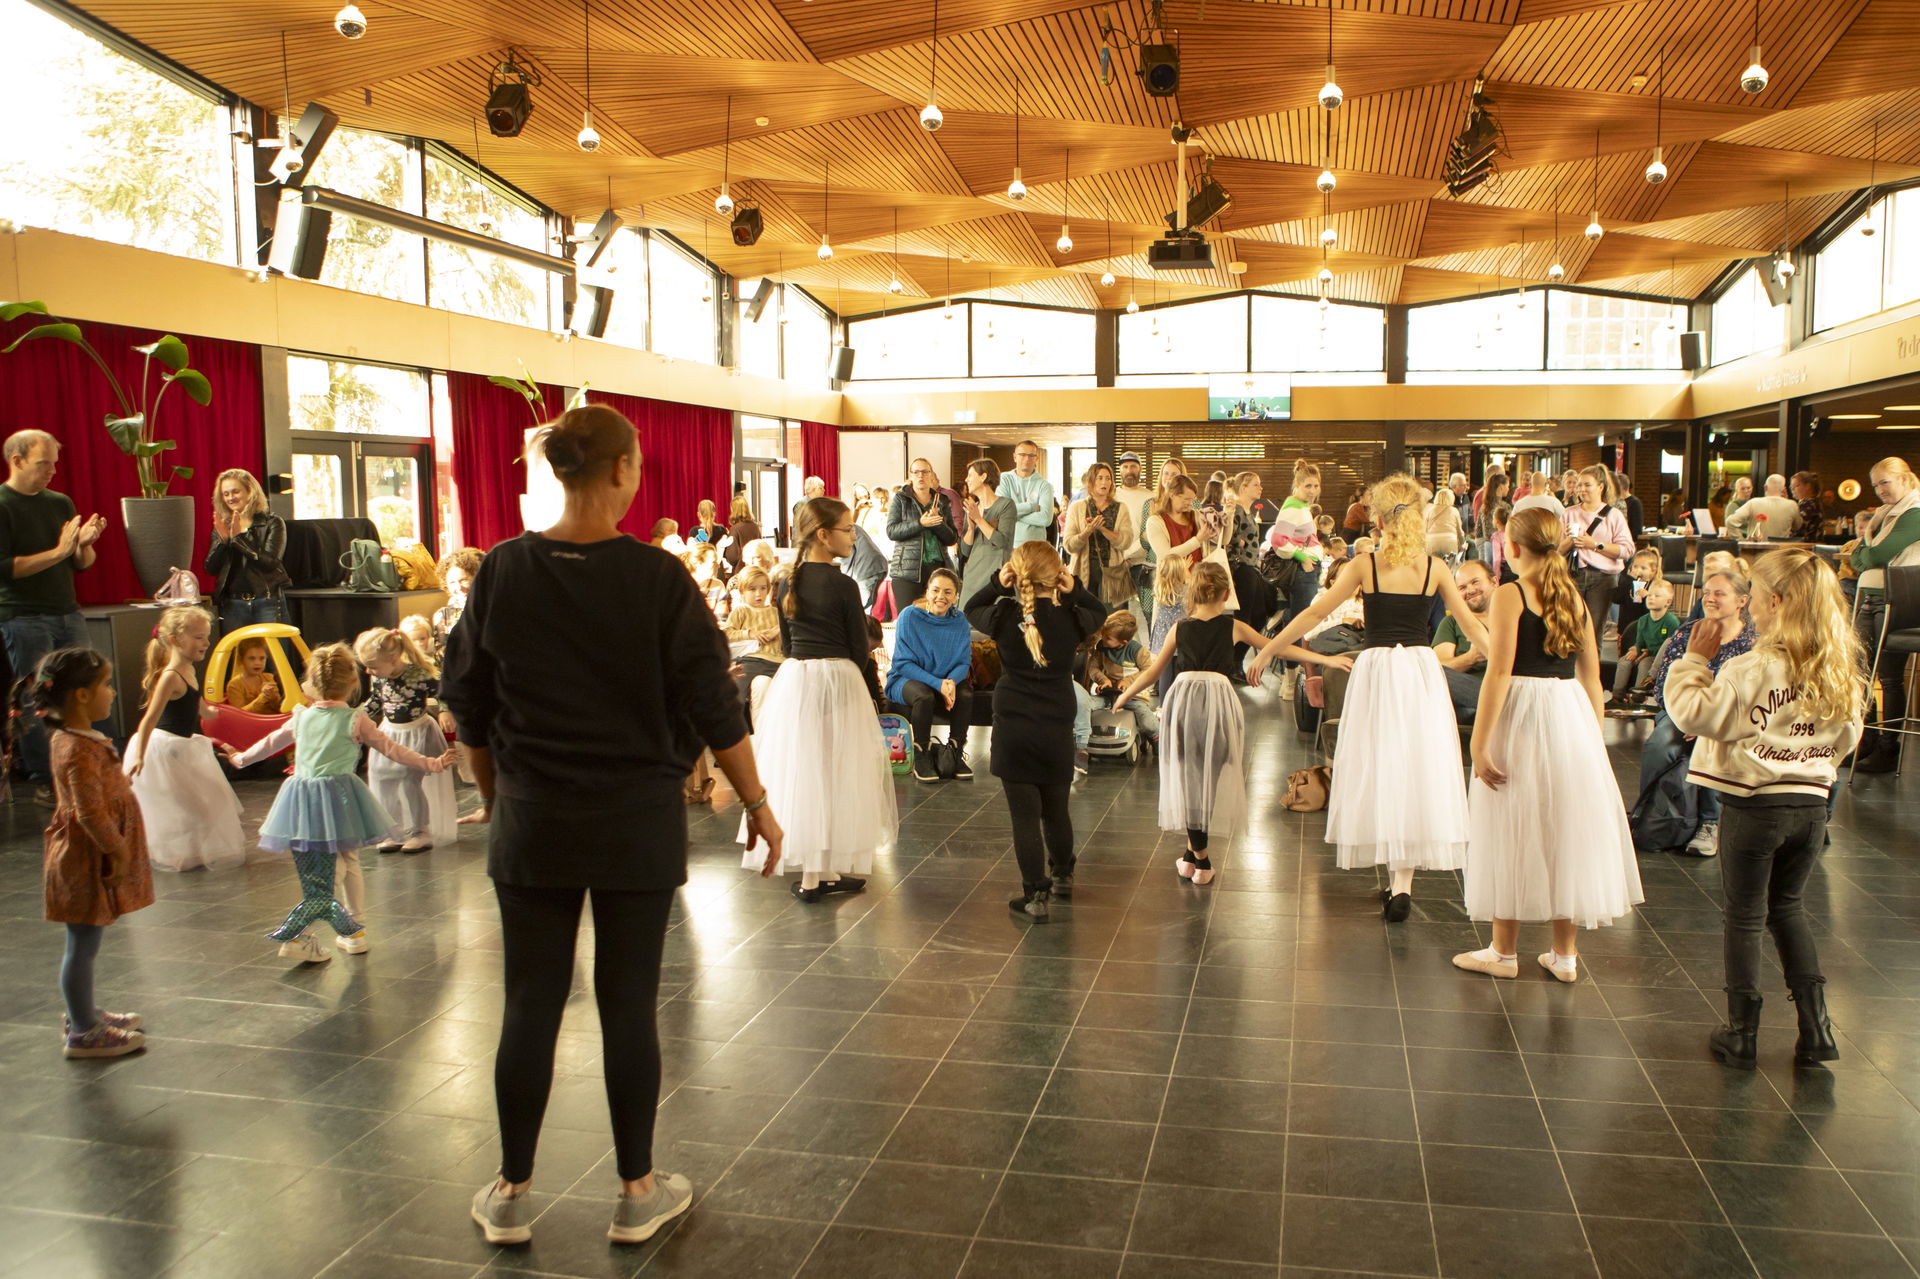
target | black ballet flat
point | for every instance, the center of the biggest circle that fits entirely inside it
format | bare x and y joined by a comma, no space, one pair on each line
844,884
1398,906
808,895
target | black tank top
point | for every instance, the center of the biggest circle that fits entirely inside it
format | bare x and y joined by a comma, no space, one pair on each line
1204,645
181,716
1397,617
1530,656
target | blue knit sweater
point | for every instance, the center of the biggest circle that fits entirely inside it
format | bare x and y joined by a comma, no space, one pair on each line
929,649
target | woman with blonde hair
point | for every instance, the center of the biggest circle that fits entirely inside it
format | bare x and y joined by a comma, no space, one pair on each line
1547,842
1443,524
245,557
1889,539
1596,542
1397,798
1039,617
1100,539
1771,727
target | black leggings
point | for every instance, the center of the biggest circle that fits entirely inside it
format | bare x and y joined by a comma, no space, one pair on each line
923,702
750,669
1040,816
537,930
1197,841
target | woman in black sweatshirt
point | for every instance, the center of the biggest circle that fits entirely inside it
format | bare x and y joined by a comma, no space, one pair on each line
586,676
1038,616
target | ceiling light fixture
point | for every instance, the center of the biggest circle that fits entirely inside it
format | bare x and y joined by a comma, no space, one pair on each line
1106,276
588,137
894,285
723,203
1656,172
1520,291
1330,96
1016,189
1754,78
350,22
825,251
1867,226
1594,230
1901,408
930,117
1325,183
1065,243
1556,272
1133,308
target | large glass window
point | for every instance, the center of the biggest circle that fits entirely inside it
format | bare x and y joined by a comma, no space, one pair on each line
683,315
1293,335
99,145
1588,331
622,268
1858,275
1196,337
930,343
358,399
1018,341
1744,321
1503,331
806,340
1901,227
363,256
756,343
474,282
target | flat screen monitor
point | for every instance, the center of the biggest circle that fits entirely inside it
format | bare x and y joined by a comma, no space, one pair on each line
1261,397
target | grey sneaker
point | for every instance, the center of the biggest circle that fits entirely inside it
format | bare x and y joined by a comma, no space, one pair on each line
636,1218
503,1220
1705,841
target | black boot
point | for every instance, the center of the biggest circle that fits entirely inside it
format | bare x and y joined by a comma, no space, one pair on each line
1735,1044
1816,1042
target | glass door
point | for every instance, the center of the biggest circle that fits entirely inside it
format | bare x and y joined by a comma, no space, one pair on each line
385,480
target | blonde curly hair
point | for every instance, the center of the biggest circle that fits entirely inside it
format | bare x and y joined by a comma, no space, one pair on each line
1811,634
1399,511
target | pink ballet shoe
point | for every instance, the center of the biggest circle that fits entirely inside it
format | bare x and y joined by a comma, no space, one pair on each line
1184,867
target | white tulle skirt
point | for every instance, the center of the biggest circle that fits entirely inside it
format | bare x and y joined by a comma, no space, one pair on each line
1202,777
419,803
1398,797
189,809
817,742
1552,842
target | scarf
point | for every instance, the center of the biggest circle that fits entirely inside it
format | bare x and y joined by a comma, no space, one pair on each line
1875,579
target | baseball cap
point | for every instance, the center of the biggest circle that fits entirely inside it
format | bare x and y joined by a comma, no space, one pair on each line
1128,457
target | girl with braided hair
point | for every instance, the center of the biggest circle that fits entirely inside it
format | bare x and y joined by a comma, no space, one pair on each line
1039,617
1397,799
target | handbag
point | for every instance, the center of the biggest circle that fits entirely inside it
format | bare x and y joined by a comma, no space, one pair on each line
181,587
368,569
946,759
1307,789
417,570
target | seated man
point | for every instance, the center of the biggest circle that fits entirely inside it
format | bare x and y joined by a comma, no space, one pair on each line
1772,516
1462,662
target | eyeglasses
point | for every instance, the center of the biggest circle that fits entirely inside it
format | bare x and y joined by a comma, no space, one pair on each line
920,470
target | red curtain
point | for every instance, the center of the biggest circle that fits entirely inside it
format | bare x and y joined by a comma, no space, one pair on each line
820,453
51,386
687,455
489,435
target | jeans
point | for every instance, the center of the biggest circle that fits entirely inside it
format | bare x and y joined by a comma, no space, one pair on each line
1040,817
538,927
1766,856
1597,589
235,613
1665,743
1306,585
1634,674
76,976
1464,691
28,639
1893,671
923,702
1083,704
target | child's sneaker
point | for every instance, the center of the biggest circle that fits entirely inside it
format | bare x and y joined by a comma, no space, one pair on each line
500,1218
305,949
356,944
119,1021
103,1041
636,1218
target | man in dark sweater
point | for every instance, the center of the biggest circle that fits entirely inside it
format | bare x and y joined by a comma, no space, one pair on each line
42,543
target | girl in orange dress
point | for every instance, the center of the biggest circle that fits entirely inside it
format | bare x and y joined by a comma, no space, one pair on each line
96,849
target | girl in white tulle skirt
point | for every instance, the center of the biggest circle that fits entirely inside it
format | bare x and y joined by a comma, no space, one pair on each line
402,697
1550,838
1398,798
817,734
190,811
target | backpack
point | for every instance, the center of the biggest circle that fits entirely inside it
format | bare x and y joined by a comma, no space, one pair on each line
1307,789
898,736
1667,813
367,569
181,587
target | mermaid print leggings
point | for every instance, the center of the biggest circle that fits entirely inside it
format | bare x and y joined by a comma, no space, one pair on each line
316,870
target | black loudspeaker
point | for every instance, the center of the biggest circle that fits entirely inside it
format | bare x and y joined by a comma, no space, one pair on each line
1693,351
599,310
1160,69
840,364
299,240
761,293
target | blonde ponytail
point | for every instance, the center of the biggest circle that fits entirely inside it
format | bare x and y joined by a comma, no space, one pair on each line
1036,571
1537,532
166,638
1399,510
383,642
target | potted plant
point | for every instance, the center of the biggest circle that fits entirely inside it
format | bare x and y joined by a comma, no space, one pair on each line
159,527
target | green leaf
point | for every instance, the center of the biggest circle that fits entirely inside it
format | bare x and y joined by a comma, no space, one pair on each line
14,310
153,448
126,432
65,332
511,384
169,350
195,384
182,472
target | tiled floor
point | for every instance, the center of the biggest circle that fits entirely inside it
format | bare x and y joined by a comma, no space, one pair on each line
1253,1078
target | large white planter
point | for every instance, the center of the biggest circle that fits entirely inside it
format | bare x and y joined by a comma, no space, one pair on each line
160,536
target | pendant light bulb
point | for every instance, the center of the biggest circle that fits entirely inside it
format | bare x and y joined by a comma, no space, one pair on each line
1325,182
588,137
350,22
947,312
1325,305
931,119
894,285
1330,96
1106,279
1594,230
1325,277
1556,272
1754,78
1133,308
1783,265
1657,171
1328,236
1065,242
723,203
825,251
1016,189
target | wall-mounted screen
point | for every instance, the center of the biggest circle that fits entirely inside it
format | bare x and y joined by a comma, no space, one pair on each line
1244,397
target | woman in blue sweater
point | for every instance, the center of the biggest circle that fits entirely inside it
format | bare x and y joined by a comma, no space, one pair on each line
932,652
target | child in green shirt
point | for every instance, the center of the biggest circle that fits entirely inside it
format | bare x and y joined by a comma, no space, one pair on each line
1649,633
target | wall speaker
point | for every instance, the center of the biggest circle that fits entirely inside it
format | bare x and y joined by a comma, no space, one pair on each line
599,310
299,240
1779,287
761,292
1693,351
840,364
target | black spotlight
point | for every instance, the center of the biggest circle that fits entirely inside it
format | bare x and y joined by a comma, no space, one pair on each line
747,225
510,98
1160,69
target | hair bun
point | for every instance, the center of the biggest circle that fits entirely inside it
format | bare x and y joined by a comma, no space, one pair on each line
564,454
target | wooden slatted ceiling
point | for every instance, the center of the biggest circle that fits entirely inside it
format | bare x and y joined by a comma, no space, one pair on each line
845,79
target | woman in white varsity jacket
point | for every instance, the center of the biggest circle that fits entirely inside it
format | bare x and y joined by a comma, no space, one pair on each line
1773,726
